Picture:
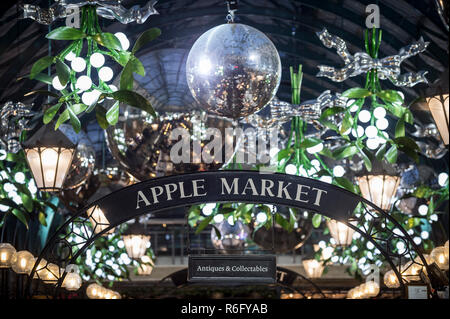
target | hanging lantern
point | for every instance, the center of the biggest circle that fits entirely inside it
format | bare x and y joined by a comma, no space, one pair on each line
52,273
437,100
370,289
135,240
98,220
49,154
380,185
313,268
439,257
146,267
391,280
6,254
22,262
72,281
340,232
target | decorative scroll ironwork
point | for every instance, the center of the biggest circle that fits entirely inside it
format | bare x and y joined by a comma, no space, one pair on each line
372,223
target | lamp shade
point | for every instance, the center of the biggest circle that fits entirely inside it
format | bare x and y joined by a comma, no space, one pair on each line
146,267
391,279
341,233
98,220
7,252
72,281
379,189
49,155
370,289
93,291
313,268
22,262
437,101
439,257
135,240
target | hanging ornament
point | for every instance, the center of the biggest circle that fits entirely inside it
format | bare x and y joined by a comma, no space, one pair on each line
109,9
233,70
14,119
362,62
76,198
232,236
142,145
83,162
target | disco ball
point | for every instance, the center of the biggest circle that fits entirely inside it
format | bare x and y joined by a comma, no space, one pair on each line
142,144
283,240
232,237
83,162
233,70
75,199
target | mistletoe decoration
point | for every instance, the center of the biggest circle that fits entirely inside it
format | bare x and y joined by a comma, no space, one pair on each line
84,87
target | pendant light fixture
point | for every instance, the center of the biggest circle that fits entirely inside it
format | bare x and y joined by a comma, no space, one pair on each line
437,101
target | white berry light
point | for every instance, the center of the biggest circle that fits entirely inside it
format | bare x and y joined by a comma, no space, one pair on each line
83,83
379,112
70,56
57,84
338,171
105,73
382,124
364,116
124,42
78,64
443,179
315,149
372,143
97,60
371,131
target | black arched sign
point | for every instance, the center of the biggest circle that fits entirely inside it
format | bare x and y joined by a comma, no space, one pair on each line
157,196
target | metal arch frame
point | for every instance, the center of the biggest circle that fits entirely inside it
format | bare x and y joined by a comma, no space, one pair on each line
56,239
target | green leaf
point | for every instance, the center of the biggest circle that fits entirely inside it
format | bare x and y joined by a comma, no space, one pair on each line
40,65
310,142
356,93
126,77
316,220
345,152
50,113
66,33
366,159
108,40
345,183
347,123
122,57
100,113
27,202
284,153
381,151
63,72
74,120
331,111
218,234
400,127
137,66
133,99
145,37
76,108
42,92
400,111
45,78
203,224
112,116
21,216
280,220
8,202
391,154
390,96
42,219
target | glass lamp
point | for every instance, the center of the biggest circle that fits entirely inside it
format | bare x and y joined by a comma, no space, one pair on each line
437,101
93,290
49,155
146,267
412,272
6,255
52,273
135,240
391,279
313,268
41,270
341,233
98,220
72,281
380,185
371,289
439,257
446,249
22,262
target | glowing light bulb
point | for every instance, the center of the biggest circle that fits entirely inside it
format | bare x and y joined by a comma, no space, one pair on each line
372,143
358,132
382,124
291,169
124,42
19,177
364,116
97,60
230,220
371,131
443,179
78,64
57,84
261,217
208,209
70,56
379,112
315,149
83,83
424,234
423,210
338,171
105,73
218,218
